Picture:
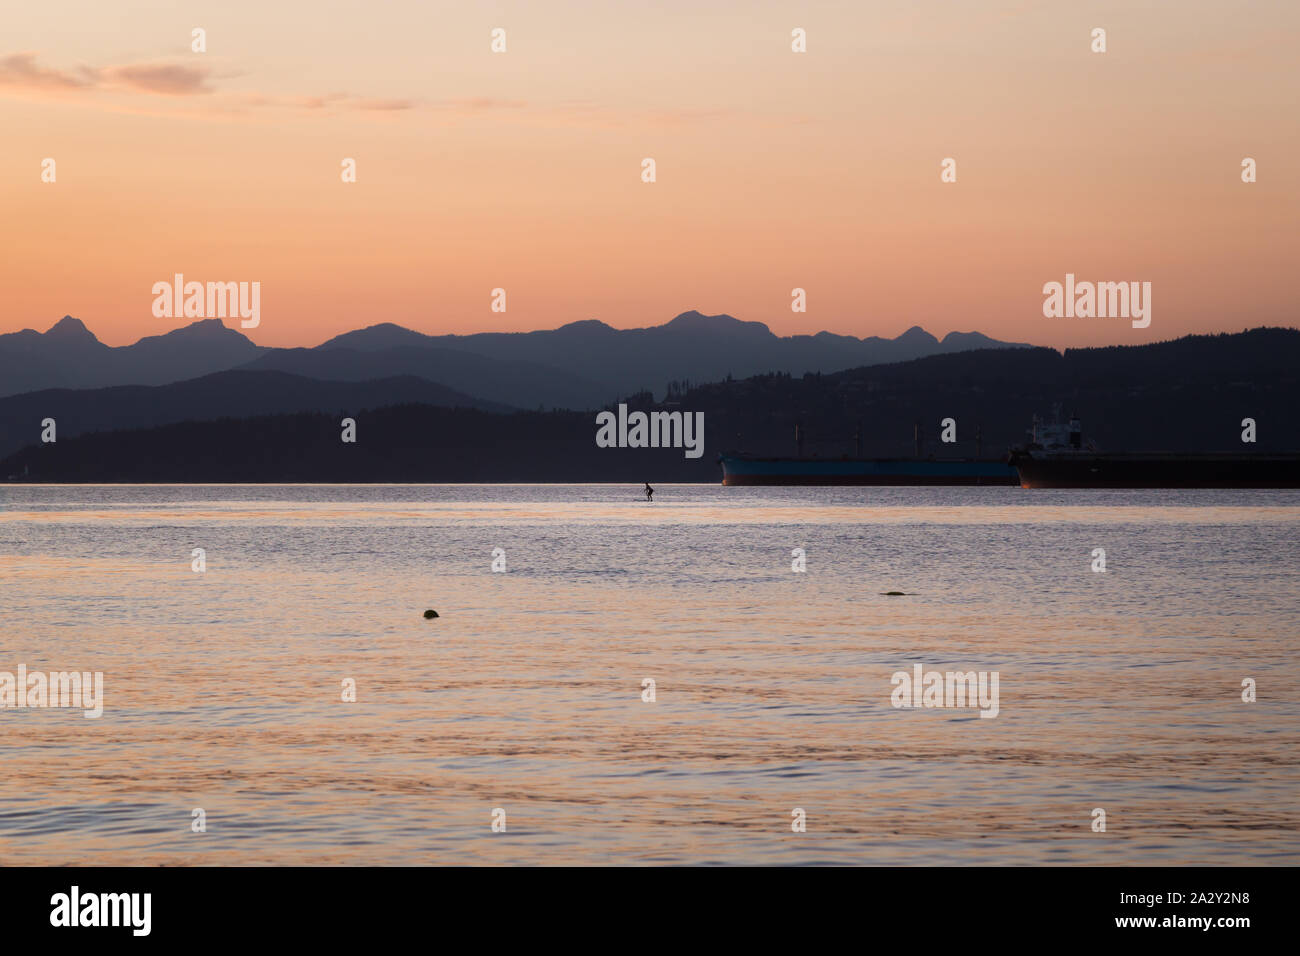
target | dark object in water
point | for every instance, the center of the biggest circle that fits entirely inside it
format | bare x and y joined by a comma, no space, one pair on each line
430,614
894,593
1057,457
1155,470
747,470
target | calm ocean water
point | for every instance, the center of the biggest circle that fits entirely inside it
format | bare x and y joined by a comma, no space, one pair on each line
1119,690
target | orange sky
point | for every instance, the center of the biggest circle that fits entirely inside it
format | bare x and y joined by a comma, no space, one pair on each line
775,169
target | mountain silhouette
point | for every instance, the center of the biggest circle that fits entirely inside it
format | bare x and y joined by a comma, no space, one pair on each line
1189,394
234,394
521,384
580,365
70,356
70,333
604,361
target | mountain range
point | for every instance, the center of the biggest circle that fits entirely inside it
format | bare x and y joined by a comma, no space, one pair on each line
581,365
1189,394
70,356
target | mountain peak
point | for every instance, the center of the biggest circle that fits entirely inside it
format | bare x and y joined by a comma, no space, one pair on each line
374,338
203,334
205,328
694,321
586,324
917,334
694,317
71,330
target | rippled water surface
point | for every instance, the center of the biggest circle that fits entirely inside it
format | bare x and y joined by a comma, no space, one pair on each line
1119,691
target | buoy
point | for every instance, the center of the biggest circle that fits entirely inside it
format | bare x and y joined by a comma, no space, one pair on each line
430,614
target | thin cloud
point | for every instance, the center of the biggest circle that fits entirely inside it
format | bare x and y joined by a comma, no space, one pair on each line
20,71
384,105
481,104
194,87
166,79
309,102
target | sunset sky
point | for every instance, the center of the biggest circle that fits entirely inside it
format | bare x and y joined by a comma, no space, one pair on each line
776,170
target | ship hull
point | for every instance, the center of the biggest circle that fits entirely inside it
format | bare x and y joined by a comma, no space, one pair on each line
1159,471
865,471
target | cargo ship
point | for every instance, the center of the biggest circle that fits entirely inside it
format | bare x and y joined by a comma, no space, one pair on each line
1057,457
746,470
742,469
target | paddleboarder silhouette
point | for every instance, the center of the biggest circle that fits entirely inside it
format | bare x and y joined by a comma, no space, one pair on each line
649,492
